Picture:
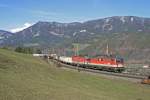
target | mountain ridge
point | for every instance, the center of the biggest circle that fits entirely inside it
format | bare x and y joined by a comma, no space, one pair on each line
127,35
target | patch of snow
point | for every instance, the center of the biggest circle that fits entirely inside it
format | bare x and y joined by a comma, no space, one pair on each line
35,35
132,19
83,31
54,33
7,36
74,33
92,33
123,19
107,20
26,25
1,37
140,30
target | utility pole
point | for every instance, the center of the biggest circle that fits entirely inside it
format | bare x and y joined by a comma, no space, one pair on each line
76,49
107,50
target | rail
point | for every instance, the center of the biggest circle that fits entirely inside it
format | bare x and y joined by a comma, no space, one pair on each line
101,72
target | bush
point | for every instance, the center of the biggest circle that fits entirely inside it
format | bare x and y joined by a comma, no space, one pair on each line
25,50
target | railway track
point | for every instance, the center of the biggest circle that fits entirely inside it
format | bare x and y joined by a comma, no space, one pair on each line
136,78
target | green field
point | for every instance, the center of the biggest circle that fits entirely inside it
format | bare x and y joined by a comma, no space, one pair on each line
23,77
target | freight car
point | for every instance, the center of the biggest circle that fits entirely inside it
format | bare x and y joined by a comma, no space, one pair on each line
66,60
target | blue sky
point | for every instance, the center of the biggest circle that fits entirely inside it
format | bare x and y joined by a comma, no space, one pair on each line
15,13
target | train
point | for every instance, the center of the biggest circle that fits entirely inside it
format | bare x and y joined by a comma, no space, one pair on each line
105,62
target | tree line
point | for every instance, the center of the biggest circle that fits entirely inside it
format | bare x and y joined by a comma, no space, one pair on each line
27,50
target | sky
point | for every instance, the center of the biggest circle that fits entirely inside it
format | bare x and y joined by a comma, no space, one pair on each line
19,14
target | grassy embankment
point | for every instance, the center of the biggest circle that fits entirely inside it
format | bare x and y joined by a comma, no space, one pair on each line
23,77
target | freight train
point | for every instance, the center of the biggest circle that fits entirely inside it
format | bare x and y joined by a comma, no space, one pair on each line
106,63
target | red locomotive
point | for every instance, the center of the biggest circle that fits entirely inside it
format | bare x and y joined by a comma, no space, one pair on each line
107,63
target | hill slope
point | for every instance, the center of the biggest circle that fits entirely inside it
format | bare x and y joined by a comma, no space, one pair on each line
23,77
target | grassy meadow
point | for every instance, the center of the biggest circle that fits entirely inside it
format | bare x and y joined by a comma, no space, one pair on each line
23,77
